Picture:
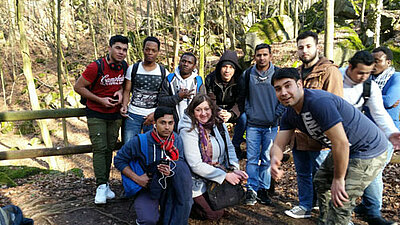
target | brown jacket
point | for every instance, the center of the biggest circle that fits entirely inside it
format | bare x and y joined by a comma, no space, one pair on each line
324,76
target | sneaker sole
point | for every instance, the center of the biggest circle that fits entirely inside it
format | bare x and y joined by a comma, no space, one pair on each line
99,203
289,213
251,203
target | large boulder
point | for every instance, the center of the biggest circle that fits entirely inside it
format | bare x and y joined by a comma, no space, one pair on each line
346,9
347,44
271,30
314,18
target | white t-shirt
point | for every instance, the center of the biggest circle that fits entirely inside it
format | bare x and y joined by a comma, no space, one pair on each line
145,89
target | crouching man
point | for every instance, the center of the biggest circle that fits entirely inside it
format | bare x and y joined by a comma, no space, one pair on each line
166,182
358,145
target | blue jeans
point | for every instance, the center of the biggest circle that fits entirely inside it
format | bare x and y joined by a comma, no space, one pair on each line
134,126
239,130
259,141
372,198
306,164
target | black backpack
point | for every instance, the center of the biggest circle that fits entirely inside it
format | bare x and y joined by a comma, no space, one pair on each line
366,94
100,68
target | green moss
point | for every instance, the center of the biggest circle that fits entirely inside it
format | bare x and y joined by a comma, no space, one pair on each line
6,180
396,54
77,172
14,172
267,30
351,40
6,127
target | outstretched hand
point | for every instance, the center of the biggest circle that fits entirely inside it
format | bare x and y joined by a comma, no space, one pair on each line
338,192
394,138
276,172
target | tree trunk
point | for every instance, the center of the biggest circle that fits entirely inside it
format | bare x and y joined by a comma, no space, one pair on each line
3,87
92,33
224,26
27,69
296,18
73,24
201,40
123,4
59,70
377,36
148,19
231,24
281,7
329,28
364,4
176,22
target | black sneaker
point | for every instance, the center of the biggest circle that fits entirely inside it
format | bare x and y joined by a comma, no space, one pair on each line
262,197
251,197
379,221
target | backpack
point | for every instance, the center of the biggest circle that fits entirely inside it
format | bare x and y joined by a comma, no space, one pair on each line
12,215
366,94
199,80
100,68
135,68
137,166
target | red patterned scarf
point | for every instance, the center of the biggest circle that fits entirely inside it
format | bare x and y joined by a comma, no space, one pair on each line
167,144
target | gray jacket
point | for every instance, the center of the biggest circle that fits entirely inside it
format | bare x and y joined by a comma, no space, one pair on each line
201,172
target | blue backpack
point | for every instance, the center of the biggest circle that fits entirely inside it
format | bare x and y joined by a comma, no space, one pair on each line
199,80
130,186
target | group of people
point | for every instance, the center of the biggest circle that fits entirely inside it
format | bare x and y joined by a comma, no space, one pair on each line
342,126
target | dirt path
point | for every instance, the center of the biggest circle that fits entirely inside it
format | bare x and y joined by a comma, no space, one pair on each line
64,198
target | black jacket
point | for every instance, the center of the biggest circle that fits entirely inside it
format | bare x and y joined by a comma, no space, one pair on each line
225,96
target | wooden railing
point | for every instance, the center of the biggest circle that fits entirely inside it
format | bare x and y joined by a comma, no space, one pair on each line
41,152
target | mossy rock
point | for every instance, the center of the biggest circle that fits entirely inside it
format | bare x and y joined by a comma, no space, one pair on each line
347,45
14,172
271,30
395,47
77,172
6,180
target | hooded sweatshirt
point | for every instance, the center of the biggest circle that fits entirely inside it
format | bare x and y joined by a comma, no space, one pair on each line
261,104
169,94
225,94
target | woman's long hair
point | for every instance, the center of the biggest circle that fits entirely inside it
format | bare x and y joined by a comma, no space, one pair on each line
197,100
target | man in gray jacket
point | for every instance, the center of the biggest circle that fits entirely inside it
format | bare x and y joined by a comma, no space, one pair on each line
258,100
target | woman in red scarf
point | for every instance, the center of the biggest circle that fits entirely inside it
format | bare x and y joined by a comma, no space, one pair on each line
205,153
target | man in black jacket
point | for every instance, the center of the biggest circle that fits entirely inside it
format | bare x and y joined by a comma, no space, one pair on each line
222,87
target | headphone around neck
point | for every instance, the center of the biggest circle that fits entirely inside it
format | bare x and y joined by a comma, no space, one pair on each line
113,66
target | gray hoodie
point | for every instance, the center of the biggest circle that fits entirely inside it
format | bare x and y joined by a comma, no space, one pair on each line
202,171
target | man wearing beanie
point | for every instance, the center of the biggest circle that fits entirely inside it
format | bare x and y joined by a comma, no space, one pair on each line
222,87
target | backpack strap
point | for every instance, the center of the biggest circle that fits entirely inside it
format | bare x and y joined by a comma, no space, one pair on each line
162,68
100,68
135,68
170,77
221,130
124,66
143,147
199,82
247,80
366,90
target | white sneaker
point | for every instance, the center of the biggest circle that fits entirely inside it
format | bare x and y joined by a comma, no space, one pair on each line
101,194
110,194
